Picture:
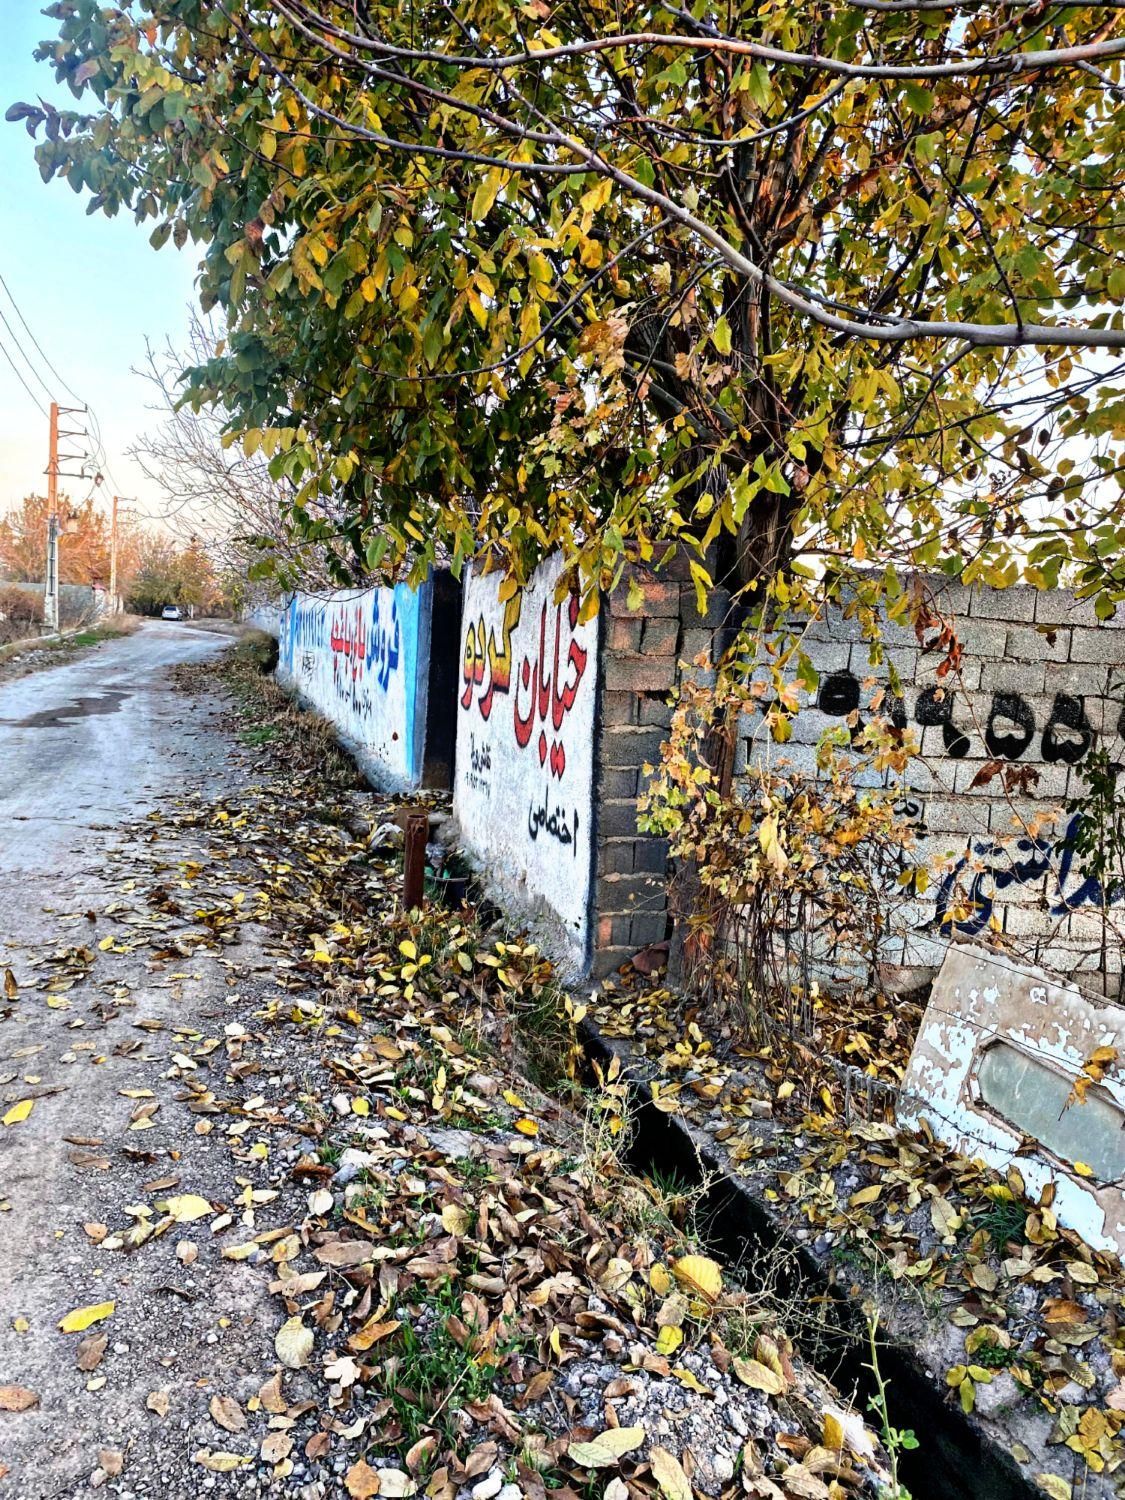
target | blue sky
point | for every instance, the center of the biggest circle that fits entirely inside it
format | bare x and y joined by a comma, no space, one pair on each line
91,289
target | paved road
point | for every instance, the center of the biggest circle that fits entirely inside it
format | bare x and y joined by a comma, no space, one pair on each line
86,749
91,743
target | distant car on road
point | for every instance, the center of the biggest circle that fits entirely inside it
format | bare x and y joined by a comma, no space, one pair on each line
171,612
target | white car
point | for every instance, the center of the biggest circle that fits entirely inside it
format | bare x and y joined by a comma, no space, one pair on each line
171,612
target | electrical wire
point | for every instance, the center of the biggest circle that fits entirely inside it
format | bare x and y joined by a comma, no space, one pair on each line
19,314
22,381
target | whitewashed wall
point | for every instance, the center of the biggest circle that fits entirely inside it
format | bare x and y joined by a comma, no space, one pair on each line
523,788
361,657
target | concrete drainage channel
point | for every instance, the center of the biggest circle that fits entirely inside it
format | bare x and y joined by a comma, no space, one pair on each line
955,1460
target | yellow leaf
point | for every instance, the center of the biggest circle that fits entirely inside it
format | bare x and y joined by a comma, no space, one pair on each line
220,1463
1056,1488
866,1195
1083,1170
454,1219
83,1317
833,1432
669,1339
185,1208
607,1448
659,1280
700,1273
527,1127
758,1377
360,1107
19,1112
669,1475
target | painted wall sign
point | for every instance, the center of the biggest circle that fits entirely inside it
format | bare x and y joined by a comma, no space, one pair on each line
994,1064
362,659
523,793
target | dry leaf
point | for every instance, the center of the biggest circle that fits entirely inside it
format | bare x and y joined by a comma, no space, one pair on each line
220,1463
758,1376
294,1343
18,1112
17,1398
185,1208
88,1354
607,1448
158,1401
362,1481
669,1475
226,1411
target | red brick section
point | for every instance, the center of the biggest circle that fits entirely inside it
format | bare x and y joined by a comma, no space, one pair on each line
641,652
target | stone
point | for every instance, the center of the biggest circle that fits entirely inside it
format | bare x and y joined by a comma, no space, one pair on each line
488,1487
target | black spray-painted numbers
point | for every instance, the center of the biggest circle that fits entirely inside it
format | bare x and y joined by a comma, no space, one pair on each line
1008,731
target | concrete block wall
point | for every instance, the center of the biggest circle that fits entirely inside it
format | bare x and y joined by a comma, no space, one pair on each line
1041,682
643,649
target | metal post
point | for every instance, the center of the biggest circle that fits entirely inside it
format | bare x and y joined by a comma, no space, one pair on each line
51,581
414,859
51,588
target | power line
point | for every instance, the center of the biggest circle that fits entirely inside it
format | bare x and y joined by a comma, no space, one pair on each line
22,381
70,391
22,352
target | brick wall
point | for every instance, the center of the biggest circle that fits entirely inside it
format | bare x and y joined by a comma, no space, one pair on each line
641,652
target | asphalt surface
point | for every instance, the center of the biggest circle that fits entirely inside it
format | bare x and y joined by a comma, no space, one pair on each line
87,745
87,750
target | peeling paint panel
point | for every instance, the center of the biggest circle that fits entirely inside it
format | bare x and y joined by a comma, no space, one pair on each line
994,1064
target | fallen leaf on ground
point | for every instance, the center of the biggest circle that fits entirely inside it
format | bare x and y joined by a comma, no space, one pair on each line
17,1398
82,1317
362,1481
669,1475
158,1401
19,1112
700,1274
607,1447
185,1208
226,1411
88,1354
294,1344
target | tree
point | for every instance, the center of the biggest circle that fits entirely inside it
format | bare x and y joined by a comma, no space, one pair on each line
83,543
210,483
840,281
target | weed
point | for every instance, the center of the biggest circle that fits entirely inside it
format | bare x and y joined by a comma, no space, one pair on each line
262,735
896,1440
330,1153
1003,1222
433,1373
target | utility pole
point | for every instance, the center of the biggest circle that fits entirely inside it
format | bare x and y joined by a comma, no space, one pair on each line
113,559
113,602
51,583
54,469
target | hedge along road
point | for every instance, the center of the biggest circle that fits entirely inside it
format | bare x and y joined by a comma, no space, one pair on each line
86,749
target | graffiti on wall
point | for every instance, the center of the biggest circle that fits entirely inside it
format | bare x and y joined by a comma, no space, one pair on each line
1008,731
525,743
361,659
968,895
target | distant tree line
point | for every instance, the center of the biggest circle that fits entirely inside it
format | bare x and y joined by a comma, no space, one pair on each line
153,569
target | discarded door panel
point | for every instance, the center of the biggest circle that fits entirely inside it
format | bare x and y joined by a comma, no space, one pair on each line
993,1072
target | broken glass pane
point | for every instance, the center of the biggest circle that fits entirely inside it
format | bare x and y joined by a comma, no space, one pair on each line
1032,1095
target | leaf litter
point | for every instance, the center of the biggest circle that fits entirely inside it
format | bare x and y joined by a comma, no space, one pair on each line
476,1296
